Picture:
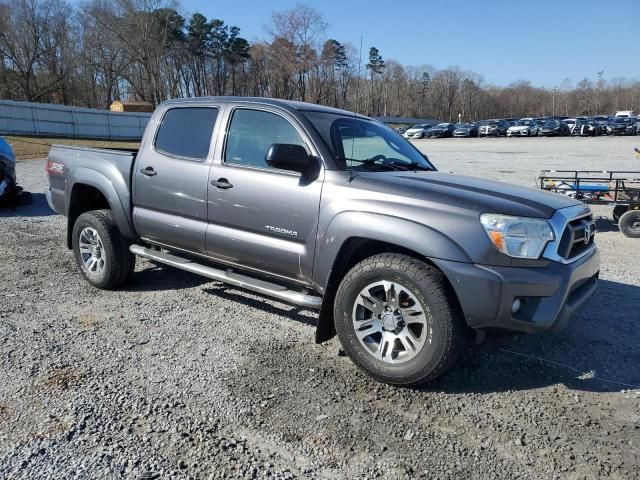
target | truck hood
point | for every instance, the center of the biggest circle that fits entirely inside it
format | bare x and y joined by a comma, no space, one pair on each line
435,189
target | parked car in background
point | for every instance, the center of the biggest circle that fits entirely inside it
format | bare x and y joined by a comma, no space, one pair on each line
622,126
418,130
570,123
401,130
625,114
493,128
603,121
442,130
526,127
466,130
553,128
541,121
588,128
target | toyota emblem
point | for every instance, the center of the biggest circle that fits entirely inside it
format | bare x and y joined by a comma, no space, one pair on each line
588,232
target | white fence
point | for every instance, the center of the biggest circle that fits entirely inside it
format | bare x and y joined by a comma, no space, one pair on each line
47,120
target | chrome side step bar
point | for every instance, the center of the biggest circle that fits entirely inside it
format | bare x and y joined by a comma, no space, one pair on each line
227,276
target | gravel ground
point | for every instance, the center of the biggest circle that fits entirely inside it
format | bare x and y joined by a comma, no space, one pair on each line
176,376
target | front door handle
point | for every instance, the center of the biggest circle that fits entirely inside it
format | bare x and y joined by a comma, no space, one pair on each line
148,171
222,183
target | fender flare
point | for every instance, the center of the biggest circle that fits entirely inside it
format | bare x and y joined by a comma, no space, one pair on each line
404,233
95,179
407,234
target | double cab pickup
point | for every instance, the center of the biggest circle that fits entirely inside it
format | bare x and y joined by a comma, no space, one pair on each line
334,211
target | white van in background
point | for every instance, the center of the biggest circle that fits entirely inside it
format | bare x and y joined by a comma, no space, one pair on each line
625,113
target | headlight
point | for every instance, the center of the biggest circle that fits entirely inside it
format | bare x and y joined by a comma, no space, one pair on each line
519,237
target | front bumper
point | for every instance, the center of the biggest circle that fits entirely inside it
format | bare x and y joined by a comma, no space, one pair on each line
518,133
620,131
550,295
489,133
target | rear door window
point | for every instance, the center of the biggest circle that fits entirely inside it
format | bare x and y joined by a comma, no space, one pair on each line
186,132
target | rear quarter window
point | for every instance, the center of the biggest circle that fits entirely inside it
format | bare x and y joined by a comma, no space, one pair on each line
186,132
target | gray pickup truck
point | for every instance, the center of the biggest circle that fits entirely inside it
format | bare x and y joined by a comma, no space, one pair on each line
330,210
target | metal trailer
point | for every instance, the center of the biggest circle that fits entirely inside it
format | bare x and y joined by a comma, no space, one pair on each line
621,189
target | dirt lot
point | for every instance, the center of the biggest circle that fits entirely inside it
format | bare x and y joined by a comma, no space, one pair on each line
179,377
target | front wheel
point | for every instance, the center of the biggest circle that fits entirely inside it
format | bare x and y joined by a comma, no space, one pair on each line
398,319
101,253
629,224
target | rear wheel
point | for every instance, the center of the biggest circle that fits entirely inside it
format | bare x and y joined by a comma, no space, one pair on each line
398,319
101,253
629,224
618,211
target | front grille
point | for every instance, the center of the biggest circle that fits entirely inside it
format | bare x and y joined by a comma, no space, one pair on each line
577,238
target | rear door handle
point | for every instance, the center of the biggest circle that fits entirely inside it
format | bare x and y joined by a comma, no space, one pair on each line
148,171
222,183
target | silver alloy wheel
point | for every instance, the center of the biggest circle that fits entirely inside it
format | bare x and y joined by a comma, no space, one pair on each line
92,251
390,322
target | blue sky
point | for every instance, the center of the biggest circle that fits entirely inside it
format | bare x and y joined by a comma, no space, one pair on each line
502,40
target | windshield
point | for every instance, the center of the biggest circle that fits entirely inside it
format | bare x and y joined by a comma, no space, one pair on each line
443,125
552,123
524,123
364,145
416,126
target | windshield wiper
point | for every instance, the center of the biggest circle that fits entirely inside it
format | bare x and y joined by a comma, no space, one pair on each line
417,166
368,163
390,165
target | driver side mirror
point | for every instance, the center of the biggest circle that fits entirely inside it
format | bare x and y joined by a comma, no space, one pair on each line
290,157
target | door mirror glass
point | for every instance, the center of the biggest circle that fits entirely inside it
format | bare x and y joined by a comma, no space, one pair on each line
290,157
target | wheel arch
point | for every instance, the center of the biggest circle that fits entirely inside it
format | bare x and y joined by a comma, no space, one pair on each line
88,190
408,238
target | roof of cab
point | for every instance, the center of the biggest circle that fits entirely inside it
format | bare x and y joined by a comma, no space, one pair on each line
286,104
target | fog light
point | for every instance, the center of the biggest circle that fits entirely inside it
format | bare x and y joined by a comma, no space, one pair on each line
515,306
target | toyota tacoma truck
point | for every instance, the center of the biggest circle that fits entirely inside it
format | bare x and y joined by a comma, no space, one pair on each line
328,210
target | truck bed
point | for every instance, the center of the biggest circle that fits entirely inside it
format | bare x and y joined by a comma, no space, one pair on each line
106,169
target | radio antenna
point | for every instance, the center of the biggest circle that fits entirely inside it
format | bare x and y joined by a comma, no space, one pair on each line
359,79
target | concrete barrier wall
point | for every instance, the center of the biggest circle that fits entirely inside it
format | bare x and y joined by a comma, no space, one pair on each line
47,120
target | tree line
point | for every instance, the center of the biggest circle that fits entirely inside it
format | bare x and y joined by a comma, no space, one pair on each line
100,51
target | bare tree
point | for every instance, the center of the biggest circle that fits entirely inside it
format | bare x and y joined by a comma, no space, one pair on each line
303,28
97,51
34,40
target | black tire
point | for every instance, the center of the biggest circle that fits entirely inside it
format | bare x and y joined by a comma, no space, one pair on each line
629,224
618,211
118,261
446,334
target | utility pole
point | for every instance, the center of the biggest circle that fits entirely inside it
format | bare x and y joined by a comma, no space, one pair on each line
599,90
554,100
